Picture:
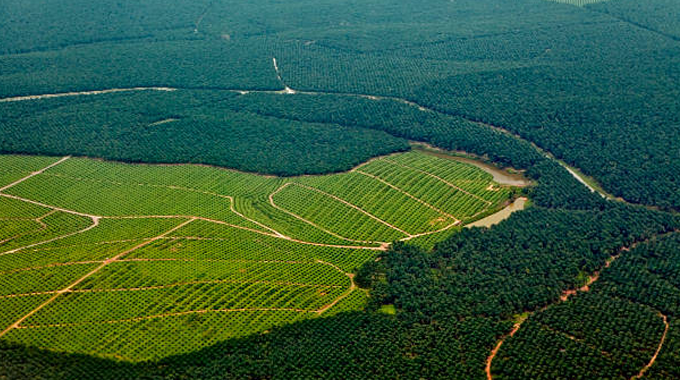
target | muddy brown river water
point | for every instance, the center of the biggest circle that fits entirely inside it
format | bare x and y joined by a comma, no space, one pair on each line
493,219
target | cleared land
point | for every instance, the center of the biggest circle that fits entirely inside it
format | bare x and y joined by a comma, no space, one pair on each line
111,259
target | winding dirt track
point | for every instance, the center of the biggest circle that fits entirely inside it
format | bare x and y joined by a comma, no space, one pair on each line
119,258
497,348
97,218
38,220
572,292
658,349
84,93
286,90
349,291
232,209
95,223
446,228
180,188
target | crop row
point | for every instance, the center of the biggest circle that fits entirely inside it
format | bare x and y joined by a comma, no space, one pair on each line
229,242
39,256
270,268
156,337
460,174
13,168
42,279
56,224
12,208
432,190
333,215
383,201
139,274
200,178
209,192
16,307
100,306
119,199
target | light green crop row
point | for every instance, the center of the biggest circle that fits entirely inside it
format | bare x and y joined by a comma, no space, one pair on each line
389,203
13,167
445,196
228,242
333,215
148,339
141,274
55,225
462,175
89,307
41,279
16,307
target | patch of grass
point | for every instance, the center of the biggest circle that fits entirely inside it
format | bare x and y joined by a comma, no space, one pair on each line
388,309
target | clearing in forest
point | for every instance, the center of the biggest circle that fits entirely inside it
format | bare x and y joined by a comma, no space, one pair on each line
112,259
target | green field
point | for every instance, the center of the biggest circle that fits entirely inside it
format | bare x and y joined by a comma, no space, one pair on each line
110,258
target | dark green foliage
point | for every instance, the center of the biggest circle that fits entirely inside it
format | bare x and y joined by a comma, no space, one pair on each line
556,188
653,269
350,345
368,275
593,336
659,16
522,264
185,126
617,139
251,132
398,119
597,91
610,332
539,353
666,366
31,25
203,64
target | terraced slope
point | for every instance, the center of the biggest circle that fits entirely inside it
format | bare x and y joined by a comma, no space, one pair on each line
112,259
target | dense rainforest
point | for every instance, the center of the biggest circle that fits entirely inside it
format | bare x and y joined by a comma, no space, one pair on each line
595,86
